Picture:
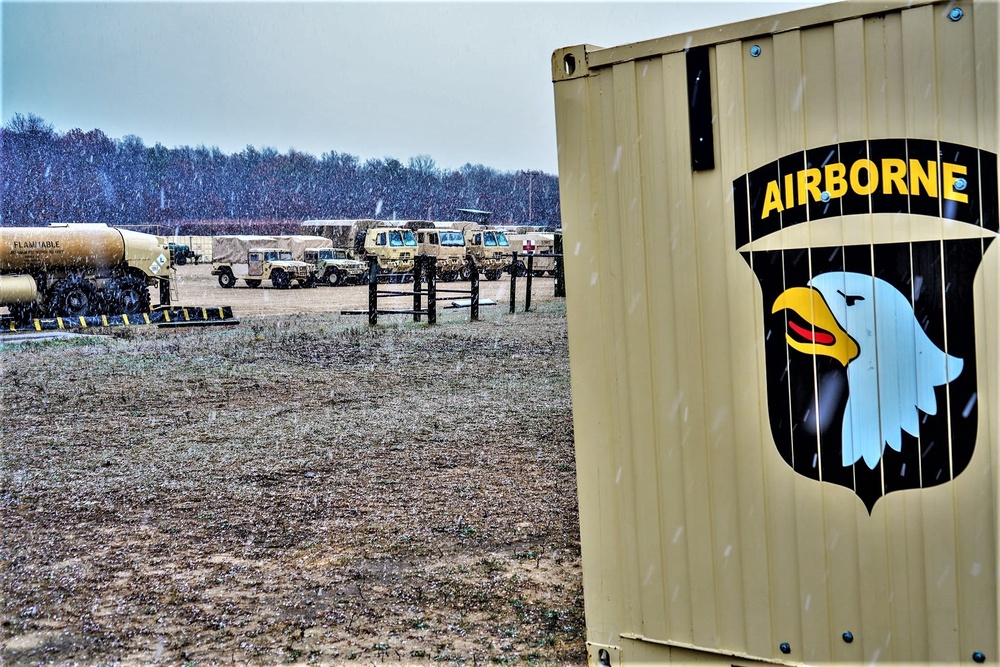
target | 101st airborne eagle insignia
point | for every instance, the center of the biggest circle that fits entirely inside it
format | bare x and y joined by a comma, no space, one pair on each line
870,349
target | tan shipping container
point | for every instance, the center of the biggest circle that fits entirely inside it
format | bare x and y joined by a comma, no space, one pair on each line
782,304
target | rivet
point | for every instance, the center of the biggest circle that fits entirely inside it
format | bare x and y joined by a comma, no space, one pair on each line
979,656
754,50
848,637
785,648
824,196
961,184
956,14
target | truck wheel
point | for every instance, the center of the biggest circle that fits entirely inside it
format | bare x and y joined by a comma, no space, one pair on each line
493,274
521,269
227,279
334,277
127,294
181,259
465,273
310,281
72,297
280,279
253,284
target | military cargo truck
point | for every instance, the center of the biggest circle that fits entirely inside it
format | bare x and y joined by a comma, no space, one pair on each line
255,259
532,243
488,249
334,266
394,248
447,245
79,269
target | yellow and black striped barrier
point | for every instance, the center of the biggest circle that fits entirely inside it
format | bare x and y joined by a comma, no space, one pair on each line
172,317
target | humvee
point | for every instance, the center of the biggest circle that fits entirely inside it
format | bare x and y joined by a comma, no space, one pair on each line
333,266
250,258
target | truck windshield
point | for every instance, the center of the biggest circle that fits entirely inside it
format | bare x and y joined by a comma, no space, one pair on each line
502,239
395,238
278,255
489,239
325,254
452,239
409,238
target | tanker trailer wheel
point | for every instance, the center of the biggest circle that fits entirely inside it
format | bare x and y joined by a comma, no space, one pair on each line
72,297
227,279
127,294
280,279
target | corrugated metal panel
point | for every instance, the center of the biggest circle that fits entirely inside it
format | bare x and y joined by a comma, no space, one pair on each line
712,518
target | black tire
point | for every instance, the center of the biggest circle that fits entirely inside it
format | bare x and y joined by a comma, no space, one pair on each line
252,284
493,274
25,312
180,259
449,276
280,279
334,277
465,273
126,294
310,281
73,297
521,269
227,279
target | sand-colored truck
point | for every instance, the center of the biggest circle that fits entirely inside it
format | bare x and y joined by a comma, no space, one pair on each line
255,258
488,248
80,269
394,248
441,241
538,244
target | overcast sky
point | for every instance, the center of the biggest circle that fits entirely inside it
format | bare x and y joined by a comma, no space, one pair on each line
462,82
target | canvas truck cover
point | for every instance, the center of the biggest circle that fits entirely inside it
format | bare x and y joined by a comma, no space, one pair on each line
782,303
234,249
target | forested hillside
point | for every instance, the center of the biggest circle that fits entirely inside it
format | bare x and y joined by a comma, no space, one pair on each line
81,176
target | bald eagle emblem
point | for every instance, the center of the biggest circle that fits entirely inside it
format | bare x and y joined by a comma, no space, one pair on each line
869,346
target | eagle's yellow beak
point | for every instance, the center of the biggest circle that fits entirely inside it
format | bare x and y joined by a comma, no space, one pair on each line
815,330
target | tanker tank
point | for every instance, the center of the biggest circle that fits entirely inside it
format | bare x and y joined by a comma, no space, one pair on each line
70,269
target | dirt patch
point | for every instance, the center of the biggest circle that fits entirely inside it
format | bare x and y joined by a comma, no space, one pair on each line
300,488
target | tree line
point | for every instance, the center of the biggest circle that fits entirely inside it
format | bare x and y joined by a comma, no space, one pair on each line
47,176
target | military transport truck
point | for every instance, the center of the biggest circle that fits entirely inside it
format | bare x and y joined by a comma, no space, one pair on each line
393,247
533,243
79,269
334,267
255,259
445,244
488,249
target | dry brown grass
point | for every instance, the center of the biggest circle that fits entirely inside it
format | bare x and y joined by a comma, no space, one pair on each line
292,490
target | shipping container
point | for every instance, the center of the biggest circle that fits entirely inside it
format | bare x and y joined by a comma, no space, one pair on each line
782,310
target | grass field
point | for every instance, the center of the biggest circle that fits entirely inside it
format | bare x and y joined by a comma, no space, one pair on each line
292,490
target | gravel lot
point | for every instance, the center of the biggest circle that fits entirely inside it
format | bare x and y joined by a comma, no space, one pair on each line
299,488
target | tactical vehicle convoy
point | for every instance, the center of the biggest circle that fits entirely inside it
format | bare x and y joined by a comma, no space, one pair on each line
255,259
79,269
334,266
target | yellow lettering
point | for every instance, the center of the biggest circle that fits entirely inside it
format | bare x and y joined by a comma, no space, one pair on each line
856,168
894,174
949,178
927,178
809,184
772,200
789,192
836,185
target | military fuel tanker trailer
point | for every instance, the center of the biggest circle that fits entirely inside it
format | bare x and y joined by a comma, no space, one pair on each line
78,269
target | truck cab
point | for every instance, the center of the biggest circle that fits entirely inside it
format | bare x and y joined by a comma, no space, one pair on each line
448,246
394,248
489,251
